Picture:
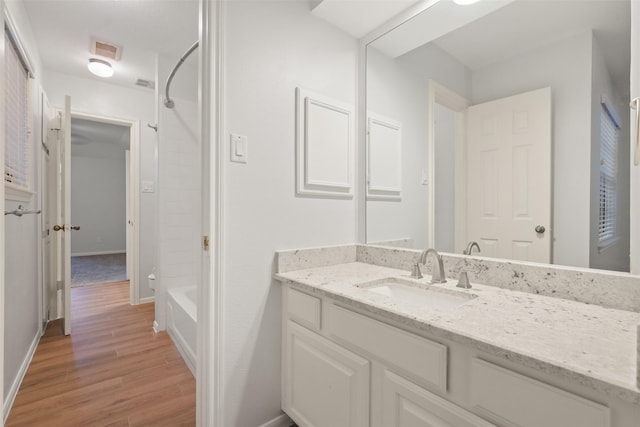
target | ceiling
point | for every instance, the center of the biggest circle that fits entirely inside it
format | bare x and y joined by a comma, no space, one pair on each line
525,25
359,17
98,139
507,28
439,19
144,28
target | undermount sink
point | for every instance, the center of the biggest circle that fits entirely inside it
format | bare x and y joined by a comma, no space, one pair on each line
418,294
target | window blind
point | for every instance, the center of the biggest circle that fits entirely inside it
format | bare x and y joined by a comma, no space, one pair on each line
609,133
16,112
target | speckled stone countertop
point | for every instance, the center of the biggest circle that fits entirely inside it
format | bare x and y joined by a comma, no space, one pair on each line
586,344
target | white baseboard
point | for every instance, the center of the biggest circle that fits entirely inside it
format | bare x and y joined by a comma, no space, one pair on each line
13,391
147,300
156,327
98,253
281,421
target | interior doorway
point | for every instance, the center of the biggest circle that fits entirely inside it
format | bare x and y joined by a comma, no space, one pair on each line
104,201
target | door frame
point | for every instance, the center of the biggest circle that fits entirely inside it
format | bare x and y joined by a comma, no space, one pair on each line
2,237
210,325
134,202
439,94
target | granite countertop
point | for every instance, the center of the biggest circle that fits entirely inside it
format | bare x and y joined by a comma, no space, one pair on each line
585,344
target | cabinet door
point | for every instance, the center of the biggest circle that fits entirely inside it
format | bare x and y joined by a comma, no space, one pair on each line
405,404
325,385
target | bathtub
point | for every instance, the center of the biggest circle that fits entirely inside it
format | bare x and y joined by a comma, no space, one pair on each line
181,322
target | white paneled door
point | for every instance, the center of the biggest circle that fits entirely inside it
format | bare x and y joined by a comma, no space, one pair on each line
509,176
62,228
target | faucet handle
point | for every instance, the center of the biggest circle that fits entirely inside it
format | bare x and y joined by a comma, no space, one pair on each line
416,274
463,281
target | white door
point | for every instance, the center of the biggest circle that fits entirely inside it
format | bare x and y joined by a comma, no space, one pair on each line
128,221
509,176
46,235
63,228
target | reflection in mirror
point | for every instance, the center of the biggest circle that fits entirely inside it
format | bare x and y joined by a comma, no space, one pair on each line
506,123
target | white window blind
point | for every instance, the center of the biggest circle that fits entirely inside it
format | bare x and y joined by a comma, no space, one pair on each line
609,134
16,112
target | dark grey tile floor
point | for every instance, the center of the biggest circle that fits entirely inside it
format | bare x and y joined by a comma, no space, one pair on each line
90,269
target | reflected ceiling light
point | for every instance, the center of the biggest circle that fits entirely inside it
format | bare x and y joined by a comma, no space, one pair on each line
100,67
465,2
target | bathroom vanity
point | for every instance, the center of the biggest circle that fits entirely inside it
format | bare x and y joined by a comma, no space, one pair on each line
363,344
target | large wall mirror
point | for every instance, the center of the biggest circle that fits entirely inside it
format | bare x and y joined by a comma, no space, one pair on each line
505,123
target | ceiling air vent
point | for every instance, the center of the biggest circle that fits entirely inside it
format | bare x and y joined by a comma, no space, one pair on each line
107,50
146,83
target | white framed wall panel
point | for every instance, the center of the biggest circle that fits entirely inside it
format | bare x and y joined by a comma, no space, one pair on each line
325,146
384,158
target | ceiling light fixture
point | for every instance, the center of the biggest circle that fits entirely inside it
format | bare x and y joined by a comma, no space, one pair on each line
465,2
100,67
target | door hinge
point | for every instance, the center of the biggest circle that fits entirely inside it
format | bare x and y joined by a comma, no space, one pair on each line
205,243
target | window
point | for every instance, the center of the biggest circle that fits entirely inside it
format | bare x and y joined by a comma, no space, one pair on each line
17,163
609,135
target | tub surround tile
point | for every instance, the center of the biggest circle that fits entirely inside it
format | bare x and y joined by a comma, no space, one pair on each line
585,344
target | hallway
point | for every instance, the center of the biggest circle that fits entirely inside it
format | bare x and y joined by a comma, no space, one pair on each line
112,371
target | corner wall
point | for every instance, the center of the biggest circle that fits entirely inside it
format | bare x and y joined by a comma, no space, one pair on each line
271,48
22,293
397,88
98,201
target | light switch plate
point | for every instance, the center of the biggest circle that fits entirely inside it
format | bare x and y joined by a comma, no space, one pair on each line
424,177
148,187
239,148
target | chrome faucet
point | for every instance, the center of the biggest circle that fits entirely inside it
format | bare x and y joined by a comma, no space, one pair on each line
437,276
470,247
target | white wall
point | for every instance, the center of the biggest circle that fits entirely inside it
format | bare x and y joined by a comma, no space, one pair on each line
615,257
98,200
445,176
271,48
566,67
397,88
179,187
635,170
104,99
22,314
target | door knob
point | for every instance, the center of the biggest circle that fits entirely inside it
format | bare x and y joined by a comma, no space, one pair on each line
64,228
540,229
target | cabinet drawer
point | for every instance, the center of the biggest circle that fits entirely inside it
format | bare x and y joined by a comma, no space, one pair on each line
516,400
414,357
304,309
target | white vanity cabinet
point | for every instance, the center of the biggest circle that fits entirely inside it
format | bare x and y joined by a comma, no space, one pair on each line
325,384
405,404
343,369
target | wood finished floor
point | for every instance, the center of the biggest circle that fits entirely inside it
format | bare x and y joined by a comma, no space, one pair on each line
112,371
